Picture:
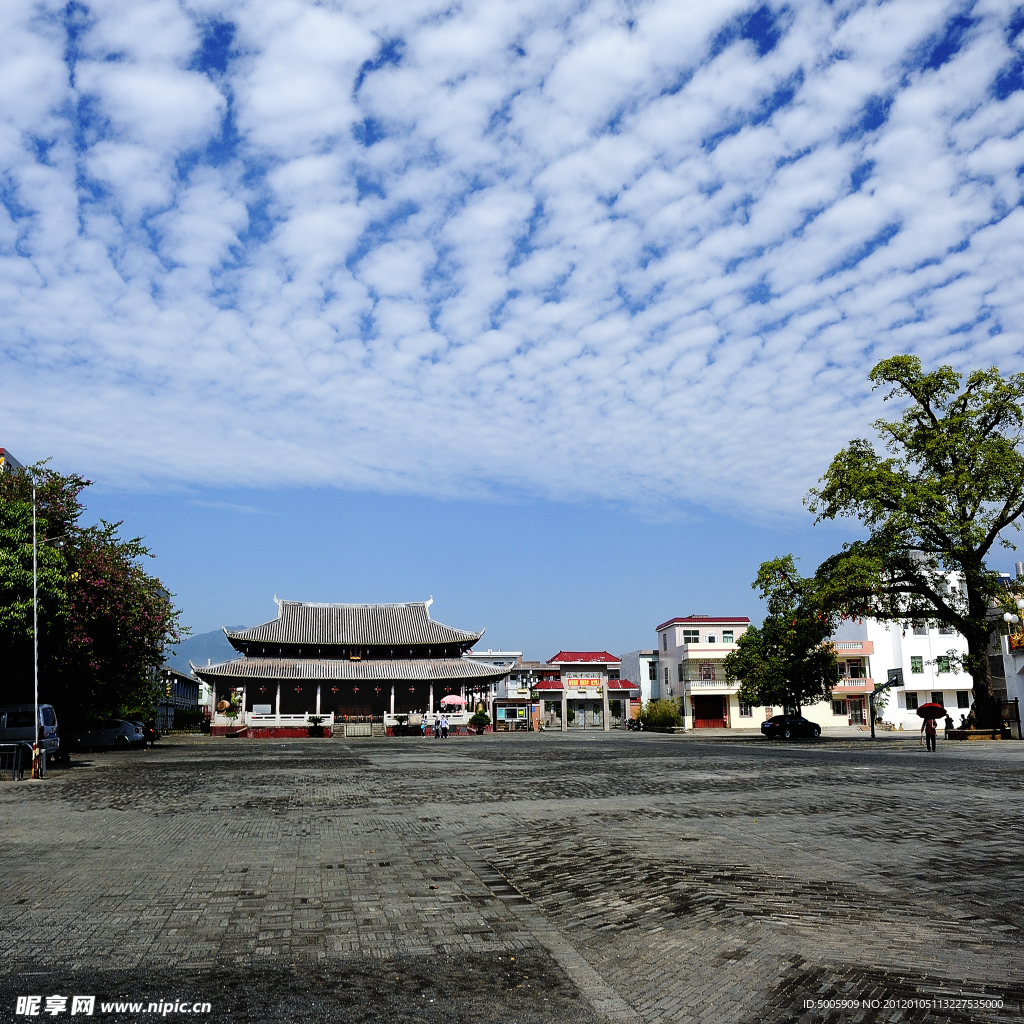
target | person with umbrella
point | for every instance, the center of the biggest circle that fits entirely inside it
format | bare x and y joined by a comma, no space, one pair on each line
930,712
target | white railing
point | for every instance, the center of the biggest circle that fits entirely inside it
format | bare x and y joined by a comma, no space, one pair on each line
859,684
712,682
292,720
418,717
849,645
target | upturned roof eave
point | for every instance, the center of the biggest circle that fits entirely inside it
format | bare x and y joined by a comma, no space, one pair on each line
324,669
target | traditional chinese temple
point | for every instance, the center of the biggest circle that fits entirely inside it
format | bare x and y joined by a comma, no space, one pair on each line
341,662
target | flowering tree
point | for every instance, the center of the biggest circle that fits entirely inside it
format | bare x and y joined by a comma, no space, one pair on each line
104,622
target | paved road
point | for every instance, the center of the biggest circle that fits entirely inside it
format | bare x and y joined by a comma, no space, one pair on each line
521,878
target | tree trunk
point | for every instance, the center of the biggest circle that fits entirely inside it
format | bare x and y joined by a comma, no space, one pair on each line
986,712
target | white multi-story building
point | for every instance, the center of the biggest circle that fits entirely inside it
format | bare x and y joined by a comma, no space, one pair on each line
691,653
867,649
641,667
504,688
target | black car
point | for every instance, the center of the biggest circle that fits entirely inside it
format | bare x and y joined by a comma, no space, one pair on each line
789,726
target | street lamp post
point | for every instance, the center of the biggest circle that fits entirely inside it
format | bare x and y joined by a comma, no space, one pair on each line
35,639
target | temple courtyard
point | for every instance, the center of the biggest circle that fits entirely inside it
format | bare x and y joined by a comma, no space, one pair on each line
520,878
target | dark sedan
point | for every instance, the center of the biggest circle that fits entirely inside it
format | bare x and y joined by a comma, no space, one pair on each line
787,727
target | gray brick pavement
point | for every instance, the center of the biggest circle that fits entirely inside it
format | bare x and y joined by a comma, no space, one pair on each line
641,877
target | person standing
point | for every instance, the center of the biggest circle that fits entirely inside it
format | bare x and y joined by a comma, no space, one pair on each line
444,727
437,728
929,733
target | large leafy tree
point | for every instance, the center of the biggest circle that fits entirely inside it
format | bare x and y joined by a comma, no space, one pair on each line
786,661
104,622
946,489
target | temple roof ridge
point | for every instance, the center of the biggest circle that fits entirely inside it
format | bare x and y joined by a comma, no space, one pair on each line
395,624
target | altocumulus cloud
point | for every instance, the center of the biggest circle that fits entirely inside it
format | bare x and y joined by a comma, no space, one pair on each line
642,249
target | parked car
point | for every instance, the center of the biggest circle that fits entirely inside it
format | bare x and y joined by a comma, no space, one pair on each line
788,727
16,726
113,732
150,733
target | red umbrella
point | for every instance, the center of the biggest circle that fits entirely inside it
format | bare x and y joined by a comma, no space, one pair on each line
931,711
453,699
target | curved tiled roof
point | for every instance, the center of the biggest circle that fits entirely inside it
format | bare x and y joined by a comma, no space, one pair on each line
356,625
353,671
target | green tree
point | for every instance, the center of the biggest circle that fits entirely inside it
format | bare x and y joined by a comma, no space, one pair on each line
103,621
661,714
786,661
949,488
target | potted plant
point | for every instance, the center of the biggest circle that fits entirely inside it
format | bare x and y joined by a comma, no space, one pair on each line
231,709
480,721
316,725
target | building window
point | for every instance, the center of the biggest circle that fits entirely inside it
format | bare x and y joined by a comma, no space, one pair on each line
911,701
856,669
652,671
942,663
963,699
712,639
681,671
746,710
917,664
691,636
727,638
707,673
666,675
945,630
839,707
937,698
920,629
664,641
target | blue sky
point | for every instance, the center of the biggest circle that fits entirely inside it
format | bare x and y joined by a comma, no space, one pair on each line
528,272
538,575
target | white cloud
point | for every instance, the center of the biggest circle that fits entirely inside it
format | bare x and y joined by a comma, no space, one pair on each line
631,250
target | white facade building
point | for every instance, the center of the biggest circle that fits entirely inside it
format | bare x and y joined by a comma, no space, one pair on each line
867,649
503,688
691,653
641,667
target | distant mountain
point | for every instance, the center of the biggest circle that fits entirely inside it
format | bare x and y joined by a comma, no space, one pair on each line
202,648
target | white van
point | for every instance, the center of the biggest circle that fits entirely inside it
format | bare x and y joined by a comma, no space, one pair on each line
16,726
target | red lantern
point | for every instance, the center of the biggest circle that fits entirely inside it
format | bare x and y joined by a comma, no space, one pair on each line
298,689
355,689
377,689
334,689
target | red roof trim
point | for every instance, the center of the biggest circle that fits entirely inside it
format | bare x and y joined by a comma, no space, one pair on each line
584,658
704,620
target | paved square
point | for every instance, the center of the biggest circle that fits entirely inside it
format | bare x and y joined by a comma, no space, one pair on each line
522,878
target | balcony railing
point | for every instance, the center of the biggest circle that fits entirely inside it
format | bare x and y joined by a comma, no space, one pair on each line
854,684
854,646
